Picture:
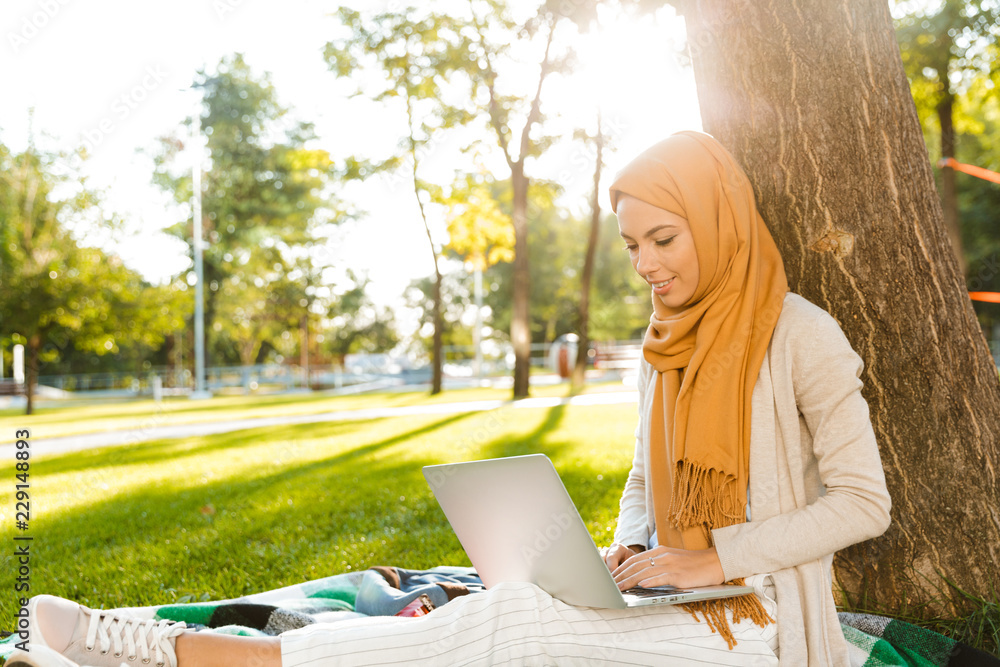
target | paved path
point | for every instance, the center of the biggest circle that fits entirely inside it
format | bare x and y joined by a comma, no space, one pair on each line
51,446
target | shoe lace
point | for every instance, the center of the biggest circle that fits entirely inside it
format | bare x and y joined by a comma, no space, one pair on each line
137,634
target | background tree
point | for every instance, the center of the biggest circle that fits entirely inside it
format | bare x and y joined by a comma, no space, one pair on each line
456,290
56,295
814,103
414,52
975,119
265,193
977,123
495,31
943,46
480,233
620,299
252,311
554,246
479,230
583,347
355,324
558,240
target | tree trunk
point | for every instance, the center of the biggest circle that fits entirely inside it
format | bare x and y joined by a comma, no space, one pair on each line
580,368
304,350
520,330
436,377
812,100
437,362
34,346
949,196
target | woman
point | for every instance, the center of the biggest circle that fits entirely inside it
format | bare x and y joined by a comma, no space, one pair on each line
750,408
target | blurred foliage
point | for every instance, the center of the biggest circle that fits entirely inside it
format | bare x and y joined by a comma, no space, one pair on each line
945,45
979,200
265,199
415,52
457,298
557,242
949,49
479,230
356,323
619,306
56,296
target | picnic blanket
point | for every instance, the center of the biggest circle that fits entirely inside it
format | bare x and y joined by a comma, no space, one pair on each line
875,641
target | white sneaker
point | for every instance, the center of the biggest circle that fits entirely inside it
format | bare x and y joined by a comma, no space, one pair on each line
86,636
41,656
38,656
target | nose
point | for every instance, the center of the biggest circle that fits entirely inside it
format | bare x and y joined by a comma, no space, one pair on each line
642,262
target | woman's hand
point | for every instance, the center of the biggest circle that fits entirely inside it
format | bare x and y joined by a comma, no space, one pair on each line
617,554
663,566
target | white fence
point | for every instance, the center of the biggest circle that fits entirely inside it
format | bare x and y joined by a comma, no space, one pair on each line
357,370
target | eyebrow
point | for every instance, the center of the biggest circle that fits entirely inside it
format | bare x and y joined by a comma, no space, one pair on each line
652,231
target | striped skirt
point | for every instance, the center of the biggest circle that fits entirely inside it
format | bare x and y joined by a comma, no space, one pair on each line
518,623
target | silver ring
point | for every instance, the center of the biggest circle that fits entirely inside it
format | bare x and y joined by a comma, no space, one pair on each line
652,563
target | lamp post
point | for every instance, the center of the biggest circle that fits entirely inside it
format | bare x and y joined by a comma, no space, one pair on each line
200,390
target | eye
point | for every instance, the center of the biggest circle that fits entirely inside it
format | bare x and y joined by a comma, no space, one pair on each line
666,241
630,247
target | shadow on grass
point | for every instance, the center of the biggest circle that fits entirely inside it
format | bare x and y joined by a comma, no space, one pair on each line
535,442
177,407
142,548
284,523
593,490
157,451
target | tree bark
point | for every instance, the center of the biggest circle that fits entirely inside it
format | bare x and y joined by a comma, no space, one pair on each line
520,333
812,100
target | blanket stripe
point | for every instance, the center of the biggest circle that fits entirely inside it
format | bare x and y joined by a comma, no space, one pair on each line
878,641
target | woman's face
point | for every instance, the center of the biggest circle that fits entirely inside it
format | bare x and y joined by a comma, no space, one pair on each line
661,248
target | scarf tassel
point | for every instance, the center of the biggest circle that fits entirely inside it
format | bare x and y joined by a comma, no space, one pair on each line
707,498
743,607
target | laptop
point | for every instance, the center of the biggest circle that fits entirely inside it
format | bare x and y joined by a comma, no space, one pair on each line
517,522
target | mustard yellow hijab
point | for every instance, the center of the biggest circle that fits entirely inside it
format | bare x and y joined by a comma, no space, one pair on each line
706,354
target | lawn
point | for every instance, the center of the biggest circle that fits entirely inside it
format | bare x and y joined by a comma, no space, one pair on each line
51,422
221,516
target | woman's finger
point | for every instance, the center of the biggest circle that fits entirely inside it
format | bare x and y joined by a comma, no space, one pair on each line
644,577
642,567
644,559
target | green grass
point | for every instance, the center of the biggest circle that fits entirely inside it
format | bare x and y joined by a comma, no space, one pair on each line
227,515
978,622
50,422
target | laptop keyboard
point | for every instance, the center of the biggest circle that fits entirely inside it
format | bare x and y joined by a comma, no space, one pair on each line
640,592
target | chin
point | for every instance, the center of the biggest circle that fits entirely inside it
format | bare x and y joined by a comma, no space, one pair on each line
673,301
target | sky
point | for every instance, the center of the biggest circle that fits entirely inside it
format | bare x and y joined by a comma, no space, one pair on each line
115,75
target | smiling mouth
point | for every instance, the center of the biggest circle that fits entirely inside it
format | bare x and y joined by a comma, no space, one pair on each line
659,285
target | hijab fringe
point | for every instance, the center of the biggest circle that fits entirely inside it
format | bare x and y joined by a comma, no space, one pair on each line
714,613
705,497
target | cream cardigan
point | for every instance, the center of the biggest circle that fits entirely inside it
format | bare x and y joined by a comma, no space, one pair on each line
816,481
